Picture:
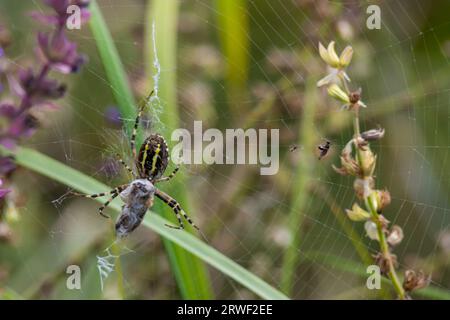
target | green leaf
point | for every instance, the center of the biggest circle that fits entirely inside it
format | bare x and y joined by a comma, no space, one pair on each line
57,171
113,66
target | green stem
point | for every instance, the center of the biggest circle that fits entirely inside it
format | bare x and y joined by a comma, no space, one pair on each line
370,205
385,248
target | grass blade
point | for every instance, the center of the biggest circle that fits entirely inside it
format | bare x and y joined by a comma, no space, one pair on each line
113,66
57,171
232,21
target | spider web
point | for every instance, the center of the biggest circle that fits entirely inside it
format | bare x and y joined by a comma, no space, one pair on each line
402,70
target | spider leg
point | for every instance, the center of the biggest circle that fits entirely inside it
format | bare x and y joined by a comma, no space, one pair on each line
170,176
136,125
125,165
102,194
171,202
100,210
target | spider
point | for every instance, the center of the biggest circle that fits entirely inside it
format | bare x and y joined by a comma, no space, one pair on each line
150,164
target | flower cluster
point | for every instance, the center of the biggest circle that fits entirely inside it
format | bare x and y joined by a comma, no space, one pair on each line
359,161
32,89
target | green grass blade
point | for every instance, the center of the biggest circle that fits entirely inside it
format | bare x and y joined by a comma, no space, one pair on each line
57,171
232,21
191,273
113,66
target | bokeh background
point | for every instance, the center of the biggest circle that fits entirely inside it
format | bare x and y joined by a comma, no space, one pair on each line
244,63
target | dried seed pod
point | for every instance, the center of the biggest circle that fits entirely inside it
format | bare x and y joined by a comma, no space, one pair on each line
384,222
362,187
383,199
395,236
373,134
415,280
355,96
383,262
349,164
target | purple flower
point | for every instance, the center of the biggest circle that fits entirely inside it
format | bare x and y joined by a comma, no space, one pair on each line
23,126
60,16
36,88
3,192
59,52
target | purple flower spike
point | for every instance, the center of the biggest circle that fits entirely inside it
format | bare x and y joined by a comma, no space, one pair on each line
60,7
23,126
59,52
33,87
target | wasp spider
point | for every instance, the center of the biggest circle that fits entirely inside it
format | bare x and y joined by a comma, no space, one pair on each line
150,164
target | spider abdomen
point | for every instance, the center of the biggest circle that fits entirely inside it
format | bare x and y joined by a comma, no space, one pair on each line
153,157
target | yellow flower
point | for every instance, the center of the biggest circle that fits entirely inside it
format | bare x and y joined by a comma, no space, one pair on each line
335,62
346,57
330,56
336,92
357,213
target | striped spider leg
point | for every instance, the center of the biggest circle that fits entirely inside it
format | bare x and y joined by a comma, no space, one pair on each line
170,176
114,193
171,202
136,124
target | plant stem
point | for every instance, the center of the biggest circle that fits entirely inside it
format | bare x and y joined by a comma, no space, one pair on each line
370,205
369,202
385,249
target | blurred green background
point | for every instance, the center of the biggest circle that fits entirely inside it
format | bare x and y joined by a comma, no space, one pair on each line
245,63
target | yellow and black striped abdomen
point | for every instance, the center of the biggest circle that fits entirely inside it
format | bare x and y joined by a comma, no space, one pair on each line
153,157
